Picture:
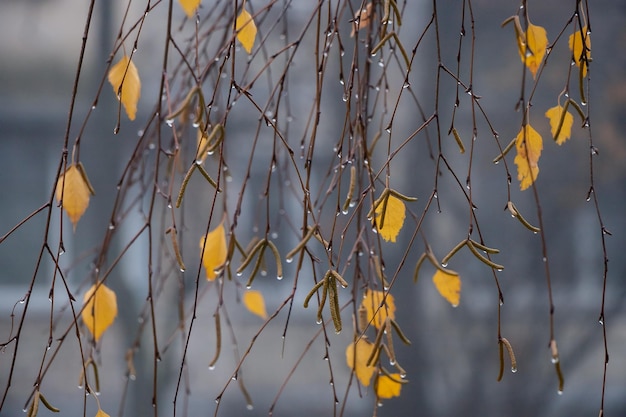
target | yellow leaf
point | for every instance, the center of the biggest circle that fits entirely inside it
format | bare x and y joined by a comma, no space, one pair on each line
362,19
377,314
393,220
554,115
99,310
576,46
529,145
254,302
532,47
73,190
189,6
357,355
388,386
215,251
203,140
449,286
101,413
124,74
246,30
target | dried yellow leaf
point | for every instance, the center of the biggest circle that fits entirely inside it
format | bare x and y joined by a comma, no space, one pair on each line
99,309
215,251
255,303
189,6
529,145
362,19
532,47
581,58
449,286
73,191
357,355
246,30
101,413
376,313
388,386
124,78
554,114
393,219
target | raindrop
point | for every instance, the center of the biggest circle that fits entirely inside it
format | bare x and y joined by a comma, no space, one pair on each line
392,362
514,369
249,407
111,226
381,63
140,132
345,97
560,392
132,377
169,122
318,321
279,277
263,273
554,359
248,286
445,265
234,377
274,235
211,367
344,212
239,273
406,85
93,107
289,260
455,305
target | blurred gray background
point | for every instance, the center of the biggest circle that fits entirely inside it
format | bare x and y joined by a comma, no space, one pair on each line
452,363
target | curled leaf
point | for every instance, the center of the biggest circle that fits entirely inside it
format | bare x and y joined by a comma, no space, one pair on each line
377,311
73,191
246,30
255,303
189,6
529,145
449,286
124,78
581,56
532,46
100,309
561,130
215,251
357,355
101,413
390,214
387,386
